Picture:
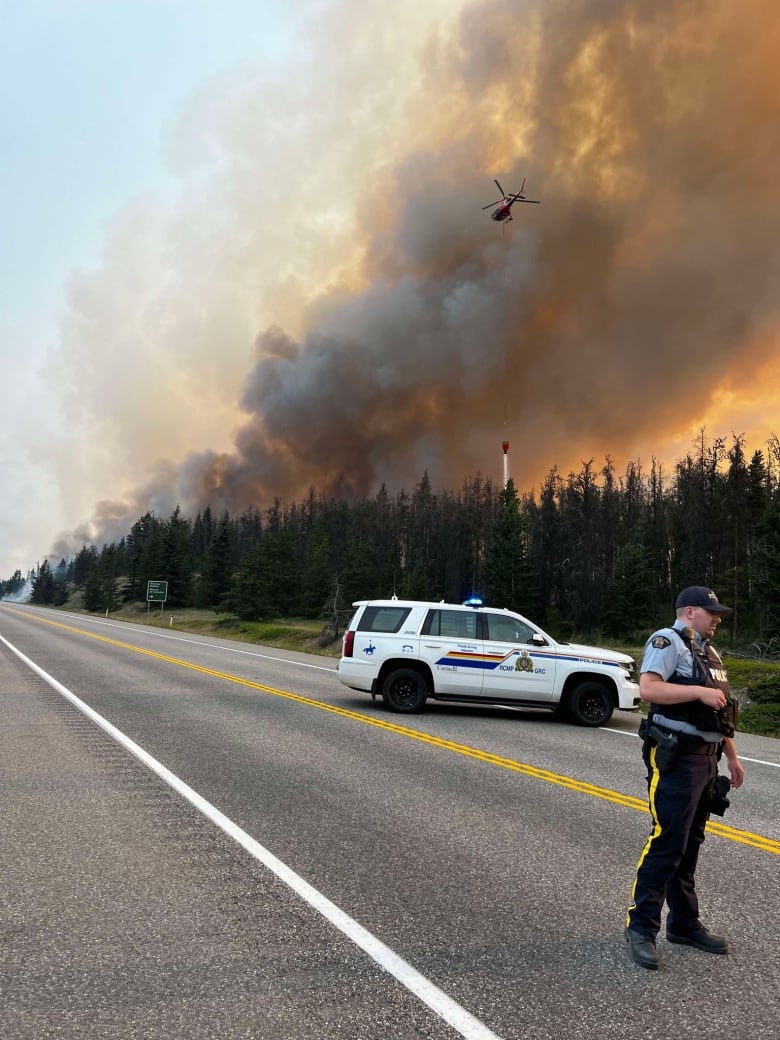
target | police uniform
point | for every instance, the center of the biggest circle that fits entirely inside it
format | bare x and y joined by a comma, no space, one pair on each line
682,766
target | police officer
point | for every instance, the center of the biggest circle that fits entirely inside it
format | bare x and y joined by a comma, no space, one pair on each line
689,726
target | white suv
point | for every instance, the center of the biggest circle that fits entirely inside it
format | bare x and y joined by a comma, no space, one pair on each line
407,651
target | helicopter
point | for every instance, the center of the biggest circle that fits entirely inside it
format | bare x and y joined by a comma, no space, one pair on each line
503,211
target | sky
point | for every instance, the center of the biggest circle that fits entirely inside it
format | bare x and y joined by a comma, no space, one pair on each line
245,252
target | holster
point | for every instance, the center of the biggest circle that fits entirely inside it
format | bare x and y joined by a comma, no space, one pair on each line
719,803
667,746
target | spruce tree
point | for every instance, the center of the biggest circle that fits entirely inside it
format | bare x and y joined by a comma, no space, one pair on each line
43,585
506,573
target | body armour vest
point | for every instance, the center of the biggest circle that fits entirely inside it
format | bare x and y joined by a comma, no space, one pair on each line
708,670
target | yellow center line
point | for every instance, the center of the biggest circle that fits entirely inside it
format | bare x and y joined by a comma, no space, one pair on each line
758,841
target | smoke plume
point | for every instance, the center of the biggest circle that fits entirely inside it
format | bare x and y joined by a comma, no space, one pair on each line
329,305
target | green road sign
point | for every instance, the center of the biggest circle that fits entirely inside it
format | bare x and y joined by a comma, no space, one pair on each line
156,591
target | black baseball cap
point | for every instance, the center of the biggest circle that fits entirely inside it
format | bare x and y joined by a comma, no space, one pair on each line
701,596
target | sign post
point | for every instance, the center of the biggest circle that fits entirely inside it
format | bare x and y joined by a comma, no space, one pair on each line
156,592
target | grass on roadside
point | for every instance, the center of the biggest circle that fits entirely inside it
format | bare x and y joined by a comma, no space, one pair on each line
302,634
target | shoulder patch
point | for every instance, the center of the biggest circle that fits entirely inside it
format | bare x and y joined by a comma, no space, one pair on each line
661,642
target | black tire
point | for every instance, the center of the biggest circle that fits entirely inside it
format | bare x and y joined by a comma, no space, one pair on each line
404,691
590,703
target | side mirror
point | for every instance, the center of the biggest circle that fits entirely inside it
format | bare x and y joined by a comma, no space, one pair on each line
538,639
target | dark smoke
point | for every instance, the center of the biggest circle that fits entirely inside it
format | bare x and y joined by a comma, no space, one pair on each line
597,322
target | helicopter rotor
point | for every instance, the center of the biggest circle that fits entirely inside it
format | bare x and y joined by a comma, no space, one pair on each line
512,198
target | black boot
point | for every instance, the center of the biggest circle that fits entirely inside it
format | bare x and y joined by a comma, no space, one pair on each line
642,949
701,939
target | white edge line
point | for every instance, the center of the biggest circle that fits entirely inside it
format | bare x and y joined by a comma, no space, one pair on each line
151,630
438,1001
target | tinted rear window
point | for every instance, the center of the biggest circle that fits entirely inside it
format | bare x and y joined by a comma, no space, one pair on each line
383,619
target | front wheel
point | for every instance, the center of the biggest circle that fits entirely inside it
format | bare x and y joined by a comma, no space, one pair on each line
404,691
590,704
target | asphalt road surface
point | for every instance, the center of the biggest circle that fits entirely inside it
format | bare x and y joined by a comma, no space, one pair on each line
231,844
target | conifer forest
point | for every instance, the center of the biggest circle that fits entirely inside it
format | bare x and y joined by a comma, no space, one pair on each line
595,552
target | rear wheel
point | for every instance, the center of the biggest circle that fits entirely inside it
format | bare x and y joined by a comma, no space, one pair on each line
590,703
404,691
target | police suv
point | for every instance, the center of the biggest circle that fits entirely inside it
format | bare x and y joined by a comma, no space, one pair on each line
408,651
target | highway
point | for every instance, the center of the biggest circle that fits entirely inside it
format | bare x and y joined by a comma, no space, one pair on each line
209,839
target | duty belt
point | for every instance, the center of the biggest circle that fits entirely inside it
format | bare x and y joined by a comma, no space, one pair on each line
691,746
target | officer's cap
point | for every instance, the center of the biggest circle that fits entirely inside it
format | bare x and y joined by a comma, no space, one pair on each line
700,596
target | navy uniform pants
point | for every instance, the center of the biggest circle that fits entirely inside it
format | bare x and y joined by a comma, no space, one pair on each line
679,801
